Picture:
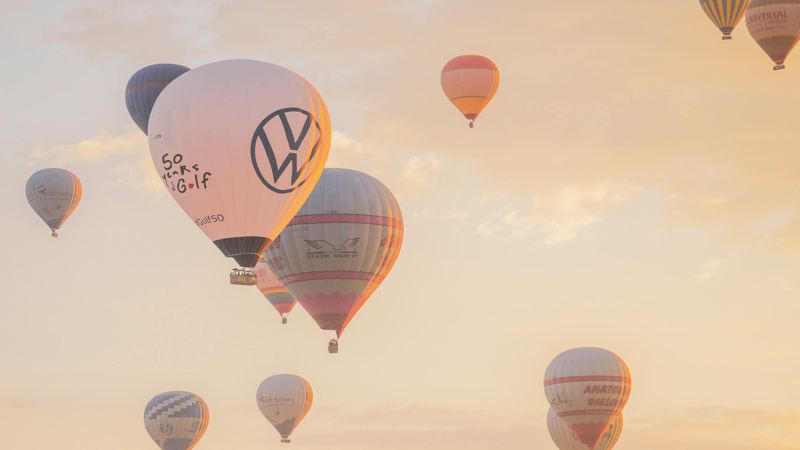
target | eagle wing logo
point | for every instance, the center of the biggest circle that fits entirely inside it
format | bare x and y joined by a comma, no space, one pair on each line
320,244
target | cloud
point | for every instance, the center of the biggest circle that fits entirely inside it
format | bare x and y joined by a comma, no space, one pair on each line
709,269
126,154
557,216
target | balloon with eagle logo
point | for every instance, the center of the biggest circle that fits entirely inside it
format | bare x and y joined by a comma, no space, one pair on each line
273,290
470,82
239,145
775,26
176,420
144,87
725,14
54,194
587,388
565,439
284,400
339,247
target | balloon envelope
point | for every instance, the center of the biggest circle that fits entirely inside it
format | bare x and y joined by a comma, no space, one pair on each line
725,14
587,387
339,247
240,145
144,87
284,400
53,194
176,420
565,439
273,290
775,25
470,82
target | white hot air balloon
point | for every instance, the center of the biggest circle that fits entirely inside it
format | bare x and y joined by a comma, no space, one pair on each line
176,420
284,400
339,247
239,145
53,194
565,439
588,388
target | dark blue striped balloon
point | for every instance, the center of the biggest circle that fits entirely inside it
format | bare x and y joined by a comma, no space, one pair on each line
145,86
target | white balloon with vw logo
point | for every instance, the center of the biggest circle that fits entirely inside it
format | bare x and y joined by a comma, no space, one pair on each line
284,400
176,420
240,145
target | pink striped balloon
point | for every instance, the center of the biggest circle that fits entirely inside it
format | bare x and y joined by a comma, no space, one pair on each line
340,246
587,387
273,290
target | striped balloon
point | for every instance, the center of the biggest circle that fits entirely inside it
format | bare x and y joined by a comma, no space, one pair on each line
273,290
144,87
587,388
470,82
341,245
565,439
725,14
176,420
54,194
284,400
775,25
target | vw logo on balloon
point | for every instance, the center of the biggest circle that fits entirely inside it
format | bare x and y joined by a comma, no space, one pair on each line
282,134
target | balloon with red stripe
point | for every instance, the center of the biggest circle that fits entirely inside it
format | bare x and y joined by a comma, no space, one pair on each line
588,388
565,439
339,248
273,290
470,82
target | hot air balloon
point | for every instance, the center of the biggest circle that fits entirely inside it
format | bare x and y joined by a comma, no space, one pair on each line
587,387
240,145
565,439
176,420
340,246
273,290
725,14
53,194
775,25
470,82
144,87
284,400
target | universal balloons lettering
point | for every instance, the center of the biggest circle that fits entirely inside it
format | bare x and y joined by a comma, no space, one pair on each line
284,400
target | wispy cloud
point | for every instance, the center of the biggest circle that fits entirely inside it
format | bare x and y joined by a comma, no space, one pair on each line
709,269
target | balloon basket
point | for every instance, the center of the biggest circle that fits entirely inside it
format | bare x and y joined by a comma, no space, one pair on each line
471,124
285,441
283,320
333,346
243,277
54,234
779,67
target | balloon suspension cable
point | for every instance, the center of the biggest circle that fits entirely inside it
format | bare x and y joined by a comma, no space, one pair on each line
54,233
472,124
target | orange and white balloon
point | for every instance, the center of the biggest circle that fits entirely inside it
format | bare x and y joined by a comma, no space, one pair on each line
470,82
565,439
775,26
588,388
240,145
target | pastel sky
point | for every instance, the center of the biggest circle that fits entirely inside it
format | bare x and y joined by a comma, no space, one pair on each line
632,186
